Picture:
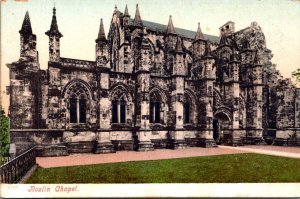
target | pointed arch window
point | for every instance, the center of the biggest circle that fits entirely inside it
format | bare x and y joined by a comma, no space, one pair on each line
155,106
78,99
77,109
119,111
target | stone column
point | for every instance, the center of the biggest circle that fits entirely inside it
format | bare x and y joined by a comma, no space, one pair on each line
208,83
104,144
177,103
235,91
143,80
254,133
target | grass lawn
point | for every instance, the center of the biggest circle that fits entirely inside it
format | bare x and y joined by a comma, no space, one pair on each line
222,168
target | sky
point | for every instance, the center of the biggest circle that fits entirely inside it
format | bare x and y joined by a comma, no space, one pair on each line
79,20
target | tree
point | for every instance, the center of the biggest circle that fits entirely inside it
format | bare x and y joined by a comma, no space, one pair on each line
296,74
4,136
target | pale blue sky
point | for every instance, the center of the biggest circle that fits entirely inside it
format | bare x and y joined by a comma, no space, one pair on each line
78,21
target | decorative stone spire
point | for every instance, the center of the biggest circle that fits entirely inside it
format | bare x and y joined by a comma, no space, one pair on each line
199,34
137,18
178,47
54,28
101,34
170,28
126,14
26,26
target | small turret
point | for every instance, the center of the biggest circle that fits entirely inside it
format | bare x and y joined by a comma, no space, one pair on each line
178,47
171,36
170,27
198,44
137,18
101,47
179,68
26,26
28,41
227,29
101,34
54,39
199,34
126,17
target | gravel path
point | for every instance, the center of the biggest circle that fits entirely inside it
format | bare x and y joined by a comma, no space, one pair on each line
125,156
275,148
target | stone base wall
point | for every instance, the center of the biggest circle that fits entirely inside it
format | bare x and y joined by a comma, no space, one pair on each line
105,147
161,143
122,145
52,150
287,137
81,147
60,143
253,140
27,138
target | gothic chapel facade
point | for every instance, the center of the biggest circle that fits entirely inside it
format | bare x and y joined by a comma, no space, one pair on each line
150,86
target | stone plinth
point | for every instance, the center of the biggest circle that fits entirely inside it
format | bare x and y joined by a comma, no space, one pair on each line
179,144
206,143
105,147
144,141
52,150
145,146
81,147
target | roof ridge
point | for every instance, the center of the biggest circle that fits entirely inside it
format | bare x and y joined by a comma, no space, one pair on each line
188,33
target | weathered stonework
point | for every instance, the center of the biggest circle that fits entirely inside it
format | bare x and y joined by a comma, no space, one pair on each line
151,86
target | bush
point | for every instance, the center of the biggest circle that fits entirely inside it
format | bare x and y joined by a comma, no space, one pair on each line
4,136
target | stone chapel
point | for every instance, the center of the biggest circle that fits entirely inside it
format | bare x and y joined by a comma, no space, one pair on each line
150,86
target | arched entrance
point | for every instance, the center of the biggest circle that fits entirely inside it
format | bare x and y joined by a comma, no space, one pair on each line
221,125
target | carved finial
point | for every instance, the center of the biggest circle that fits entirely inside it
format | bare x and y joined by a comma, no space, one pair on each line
54,11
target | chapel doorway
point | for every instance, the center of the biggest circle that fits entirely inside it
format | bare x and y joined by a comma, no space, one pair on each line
221,127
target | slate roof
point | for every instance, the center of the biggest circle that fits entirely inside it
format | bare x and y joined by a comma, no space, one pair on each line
182,32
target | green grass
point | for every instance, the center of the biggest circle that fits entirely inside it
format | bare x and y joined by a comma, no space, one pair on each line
223,168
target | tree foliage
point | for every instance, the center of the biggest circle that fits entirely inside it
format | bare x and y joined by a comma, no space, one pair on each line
4,136
296,74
